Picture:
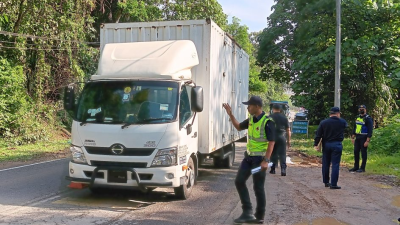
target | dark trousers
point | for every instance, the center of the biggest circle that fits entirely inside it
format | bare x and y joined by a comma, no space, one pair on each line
244,172
331,153
359,146
279,152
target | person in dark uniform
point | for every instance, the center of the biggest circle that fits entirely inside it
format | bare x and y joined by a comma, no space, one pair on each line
260,144
282,130
362,133
331,131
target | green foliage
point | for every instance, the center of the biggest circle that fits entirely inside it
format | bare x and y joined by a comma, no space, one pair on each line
13,99
111,11
386,140
38,67
298,46
18,116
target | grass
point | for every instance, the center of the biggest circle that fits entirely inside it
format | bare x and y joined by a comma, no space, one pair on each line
378,162
30,151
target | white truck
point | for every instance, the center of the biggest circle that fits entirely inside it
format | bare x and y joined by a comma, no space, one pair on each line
153,111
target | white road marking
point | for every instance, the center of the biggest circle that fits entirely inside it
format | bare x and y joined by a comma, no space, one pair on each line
12,168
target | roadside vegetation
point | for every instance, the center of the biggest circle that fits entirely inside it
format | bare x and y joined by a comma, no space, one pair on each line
33,151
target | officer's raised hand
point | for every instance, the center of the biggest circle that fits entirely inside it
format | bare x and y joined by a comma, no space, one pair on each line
227,108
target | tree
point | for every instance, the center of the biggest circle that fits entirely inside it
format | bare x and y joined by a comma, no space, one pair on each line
120,11
298,46
46,44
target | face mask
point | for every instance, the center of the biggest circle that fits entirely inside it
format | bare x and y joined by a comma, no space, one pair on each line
362,111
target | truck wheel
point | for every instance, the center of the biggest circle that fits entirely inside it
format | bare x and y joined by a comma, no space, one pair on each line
228,162
184,191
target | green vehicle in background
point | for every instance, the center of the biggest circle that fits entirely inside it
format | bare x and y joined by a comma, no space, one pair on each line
284,105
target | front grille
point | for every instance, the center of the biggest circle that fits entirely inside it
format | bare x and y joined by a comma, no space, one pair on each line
98,174
126,152
118,164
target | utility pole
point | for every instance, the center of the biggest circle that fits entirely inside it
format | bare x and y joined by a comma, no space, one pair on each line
338,53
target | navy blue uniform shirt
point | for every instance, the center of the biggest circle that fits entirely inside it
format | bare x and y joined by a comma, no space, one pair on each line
281,123
331,129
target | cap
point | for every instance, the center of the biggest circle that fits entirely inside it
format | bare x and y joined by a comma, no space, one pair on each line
254,100
362,106
276,106
334,110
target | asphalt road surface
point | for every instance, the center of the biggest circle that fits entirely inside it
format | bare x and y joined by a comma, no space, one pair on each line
38,194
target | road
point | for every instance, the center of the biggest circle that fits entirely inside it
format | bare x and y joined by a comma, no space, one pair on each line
38,194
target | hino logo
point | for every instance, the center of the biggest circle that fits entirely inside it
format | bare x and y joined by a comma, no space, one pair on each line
117,149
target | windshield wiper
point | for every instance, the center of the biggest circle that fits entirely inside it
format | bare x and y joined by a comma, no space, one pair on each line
126,125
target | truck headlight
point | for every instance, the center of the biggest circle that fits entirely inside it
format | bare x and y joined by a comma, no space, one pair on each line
165,157
77,155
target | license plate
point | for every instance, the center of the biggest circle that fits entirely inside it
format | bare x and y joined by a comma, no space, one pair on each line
116,176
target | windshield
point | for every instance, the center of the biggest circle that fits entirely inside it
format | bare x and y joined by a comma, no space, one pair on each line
133,102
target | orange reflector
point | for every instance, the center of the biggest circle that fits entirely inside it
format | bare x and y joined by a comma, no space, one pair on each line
184,167
77,185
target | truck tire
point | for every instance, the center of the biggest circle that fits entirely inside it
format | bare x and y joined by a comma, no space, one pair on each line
184,191
228,162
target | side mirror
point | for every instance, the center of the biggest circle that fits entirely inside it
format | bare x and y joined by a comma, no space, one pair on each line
69,98
197,99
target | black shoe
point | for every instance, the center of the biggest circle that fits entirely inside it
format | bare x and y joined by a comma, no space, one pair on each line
259,219
272,171
335,187
353,169
360,171
283,172
246,218
327,184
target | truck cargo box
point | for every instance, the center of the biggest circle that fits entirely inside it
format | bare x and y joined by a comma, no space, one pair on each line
223,71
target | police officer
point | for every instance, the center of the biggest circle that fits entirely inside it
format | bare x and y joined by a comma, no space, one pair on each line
331,131
260,144
282,129
362,133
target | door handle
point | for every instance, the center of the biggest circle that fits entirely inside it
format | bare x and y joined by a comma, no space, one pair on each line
194,135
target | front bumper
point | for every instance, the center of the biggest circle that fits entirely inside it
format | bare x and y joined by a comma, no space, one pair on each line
155,176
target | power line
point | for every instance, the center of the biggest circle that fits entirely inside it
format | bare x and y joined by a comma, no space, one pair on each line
11,42
37,49
43,38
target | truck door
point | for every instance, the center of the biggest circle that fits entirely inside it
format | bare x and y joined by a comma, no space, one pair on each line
188,141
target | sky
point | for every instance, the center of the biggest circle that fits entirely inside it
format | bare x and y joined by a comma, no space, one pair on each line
252,13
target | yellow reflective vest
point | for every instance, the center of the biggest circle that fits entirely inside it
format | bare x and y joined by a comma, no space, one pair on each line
361,127
257,143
